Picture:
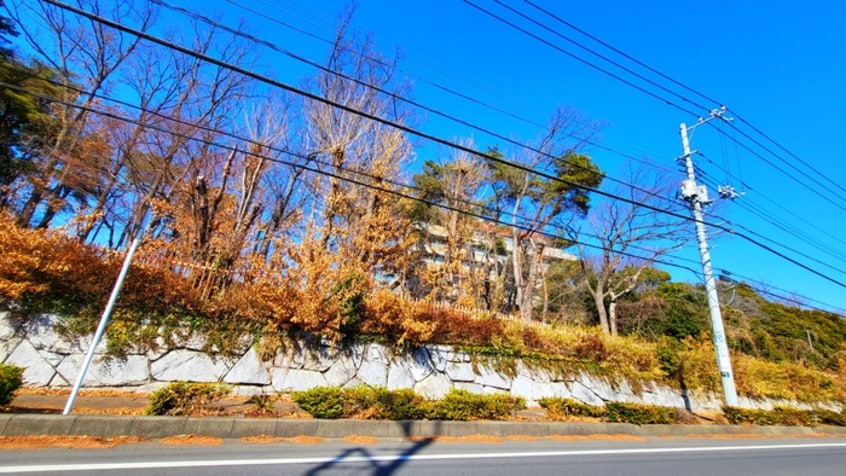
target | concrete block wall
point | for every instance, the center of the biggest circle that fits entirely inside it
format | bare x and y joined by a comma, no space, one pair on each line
51,360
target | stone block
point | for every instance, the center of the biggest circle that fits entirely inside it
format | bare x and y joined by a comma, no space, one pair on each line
8,326
249,370
37,371
41,333
400,375
470,387
188,365
340,373
8,346
460,372
601,387
434,386
419,362
296,379
106,372
320,359
490,378
438,357
247,390
374,366
580,392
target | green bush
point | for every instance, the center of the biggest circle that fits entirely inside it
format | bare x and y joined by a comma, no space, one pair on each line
783,416
561,408
828,417
11,377
363,402
322,402
639,414
404,404
184,398
463,405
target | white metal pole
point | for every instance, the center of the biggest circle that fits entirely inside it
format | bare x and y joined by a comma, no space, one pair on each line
717,329
104,320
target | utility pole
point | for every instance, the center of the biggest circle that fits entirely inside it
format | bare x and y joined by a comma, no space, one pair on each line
697,196
107,313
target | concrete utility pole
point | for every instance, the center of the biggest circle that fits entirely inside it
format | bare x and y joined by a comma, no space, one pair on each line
107,313
697,196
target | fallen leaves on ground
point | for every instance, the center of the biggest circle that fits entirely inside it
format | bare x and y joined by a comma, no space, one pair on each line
191,440
597,437
361,440
65,441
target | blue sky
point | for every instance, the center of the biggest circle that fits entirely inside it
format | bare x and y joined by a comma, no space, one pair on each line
780,65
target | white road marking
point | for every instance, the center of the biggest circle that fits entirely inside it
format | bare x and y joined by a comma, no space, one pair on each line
392,458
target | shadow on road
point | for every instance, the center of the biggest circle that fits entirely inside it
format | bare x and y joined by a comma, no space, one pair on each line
380,468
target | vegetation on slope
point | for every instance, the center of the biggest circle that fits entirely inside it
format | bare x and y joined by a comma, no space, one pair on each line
47,272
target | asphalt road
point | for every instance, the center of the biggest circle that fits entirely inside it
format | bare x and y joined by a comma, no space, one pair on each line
822,456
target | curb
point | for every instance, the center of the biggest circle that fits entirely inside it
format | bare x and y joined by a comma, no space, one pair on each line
229,427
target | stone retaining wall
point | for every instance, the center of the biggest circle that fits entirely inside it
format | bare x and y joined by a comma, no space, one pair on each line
53,361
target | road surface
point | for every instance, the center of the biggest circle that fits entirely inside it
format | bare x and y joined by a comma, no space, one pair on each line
656,456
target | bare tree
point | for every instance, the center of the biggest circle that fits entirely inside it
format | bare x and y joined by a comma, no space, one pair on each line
628,238
83,53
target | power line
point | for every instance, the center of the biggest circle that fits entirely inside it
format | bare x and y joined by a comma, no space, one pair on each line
481,217
807,239
621,53
773,141
747,136
600,55
761,287
344,178
382,90
448,90
682,85
580,59
411,130
193,125
776,167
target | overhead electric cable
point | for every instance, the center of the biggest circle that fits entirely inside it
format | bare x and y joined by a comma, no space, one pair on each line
581,60
601,56
251,142
446,89
408,129
793,177
344,178
622,53
391,94
744,134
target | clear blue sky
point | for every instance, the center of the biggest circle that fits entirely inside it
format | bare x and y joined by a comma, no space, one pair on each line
780,65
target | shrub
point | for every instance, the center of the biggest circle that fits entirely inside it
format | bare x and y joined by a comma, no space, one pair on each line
783,416
11,377
463,405
562,408
828,417
363,402
639,414
184,398
404,404
322,402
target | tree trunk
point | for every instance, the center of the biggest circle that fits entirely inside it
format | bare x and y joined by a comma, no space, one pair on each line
599,300
612,317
